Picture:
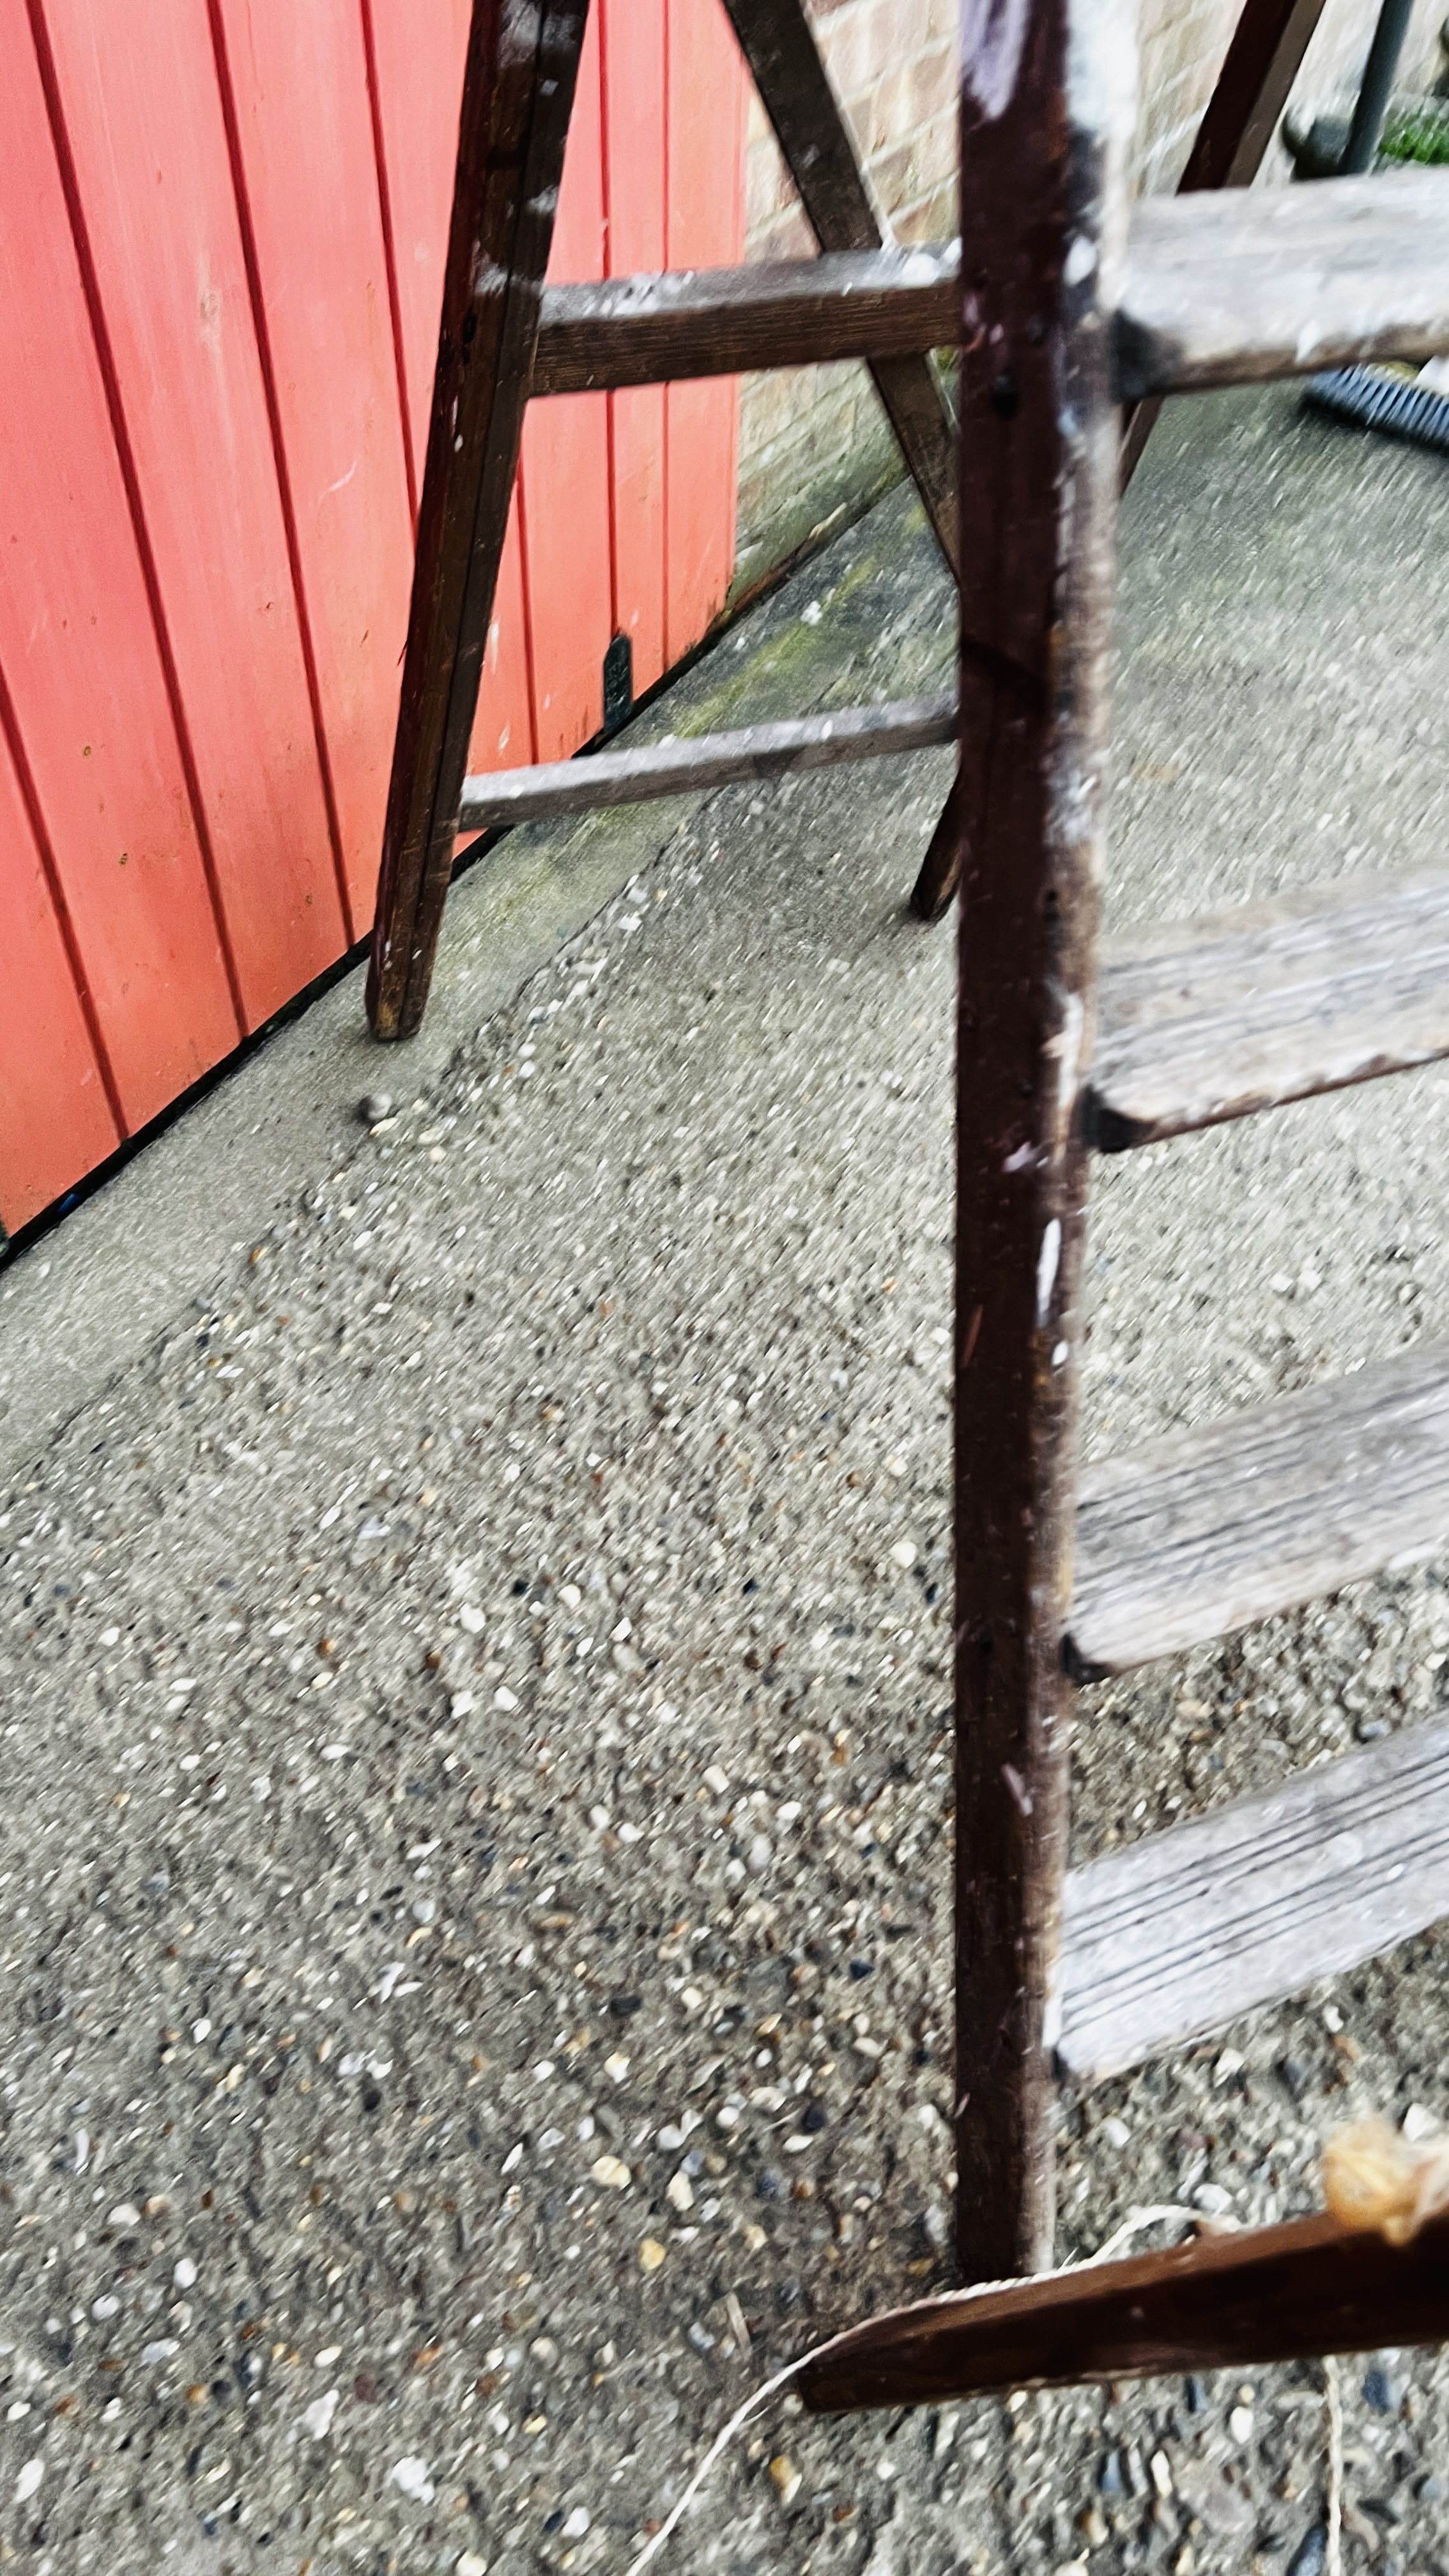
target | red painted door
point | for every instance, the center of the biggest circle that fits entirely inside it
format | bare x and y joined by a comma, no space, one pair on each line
222,226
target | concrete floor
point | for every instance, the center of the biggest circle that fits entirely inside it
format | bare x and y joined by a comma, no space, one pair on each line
477,1852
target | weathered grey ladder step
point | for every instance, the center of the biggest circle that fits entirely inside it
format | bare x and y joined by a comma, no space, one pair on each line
1228,287
1212,1019
1168,1940
1191,1537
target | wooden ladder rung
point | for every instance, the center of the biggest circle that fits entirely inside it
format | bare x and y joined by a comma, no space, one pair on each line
1231,286
1194,1536
1213,1019
681,765
718,321
1222,287
1167,1941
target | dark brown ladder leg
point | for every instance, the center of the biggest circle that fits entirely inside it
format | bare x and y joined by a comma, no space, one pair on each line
518,90
798,98
1259,69
776,40
1043,229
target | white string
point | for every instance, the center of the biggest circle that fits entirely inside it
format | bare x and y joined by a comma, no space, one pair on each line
1333,2400
1132,2225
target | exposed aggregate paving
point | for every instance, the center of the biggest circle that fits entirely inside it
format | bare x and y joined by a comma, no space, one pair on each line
476,1851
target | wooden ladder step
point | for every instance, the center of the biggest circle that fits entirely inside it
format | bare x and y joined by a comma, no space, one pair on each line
1199,1534
1221,288
1227,287
683,764
717,321
1212,1019
1165,1942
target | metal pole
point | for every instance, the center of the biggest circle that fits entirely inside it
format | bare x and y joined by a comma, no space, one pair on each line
1378,80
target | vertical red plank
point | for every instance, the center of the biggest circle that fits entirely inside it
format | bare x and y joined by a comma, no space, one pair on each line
419,89
295,81
634,54
55,1119
705,167
78,646
139,99
564,473
503,732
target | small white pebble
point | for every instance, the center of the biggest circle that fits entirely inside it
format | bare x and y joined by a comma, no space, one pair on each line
903,1554
125,2214
108,2305
1162,2474
679,2194
505,1699
317,2417
570,1595
411,2477
110,1636
28,2480
184,2274
616,2067
716,1780
576,2525
324,2360
472,1619
611,2171
1240,2423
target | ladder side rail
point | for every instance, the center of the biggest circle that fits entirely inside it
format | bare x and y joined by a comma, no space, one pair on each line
1046,115
520,74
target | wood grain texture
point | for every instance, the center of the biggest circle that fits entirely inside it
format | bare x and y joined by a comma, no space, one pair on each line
1213,1019
704,228
85,678
1195,1536
419,88
1233,288
677,766
304,172
1168,1940
636,167
1040,167
56,1114
714,322
517,97
1269,2294
144,119
563,472
795,89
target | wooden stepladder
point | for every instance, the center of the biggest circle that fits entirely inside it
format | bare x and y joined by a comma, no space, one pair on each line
1067,307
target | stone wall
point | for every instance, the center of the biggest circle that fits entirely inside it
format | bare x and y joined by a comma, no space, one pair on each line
813,441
